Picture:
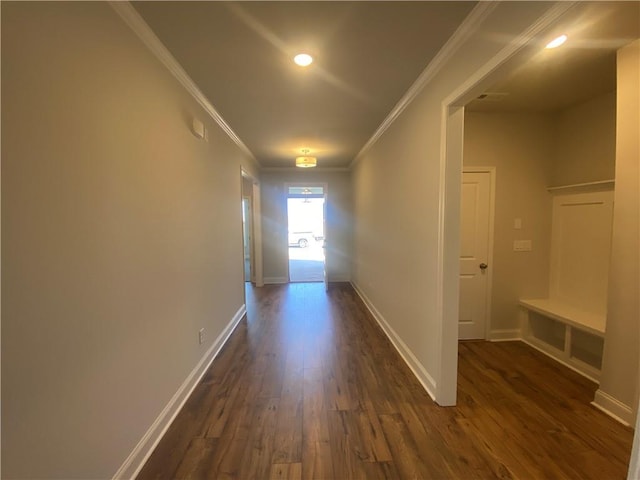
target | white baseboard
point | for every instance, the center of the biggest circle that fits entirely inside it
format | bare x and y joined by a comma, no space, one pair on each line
613,407
275,280
407,355
136,460
505,335
281,280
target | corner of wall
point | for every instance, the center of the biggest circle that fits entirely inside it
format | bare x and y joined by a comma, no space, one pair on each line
426,380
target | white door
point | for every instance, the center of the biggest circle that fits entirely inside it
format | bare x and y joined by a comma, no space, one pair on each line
474,253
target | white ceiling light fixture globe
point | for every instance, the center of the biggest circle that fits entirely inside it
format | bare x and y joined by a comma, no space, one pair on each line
303,59
305,161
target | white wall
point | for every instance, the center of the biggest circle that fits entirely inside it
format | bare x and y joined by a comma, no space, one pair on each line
585,149
121,238
619,382
521,147
338,222
399,196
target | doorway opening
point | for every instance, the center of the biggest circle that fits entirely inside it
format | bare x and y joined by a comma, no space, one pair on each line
251,231
246,238
306,232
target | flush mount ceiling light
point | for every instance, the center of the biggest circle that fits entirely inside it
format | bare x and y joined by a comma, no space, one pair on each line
305,161
556,42
303,59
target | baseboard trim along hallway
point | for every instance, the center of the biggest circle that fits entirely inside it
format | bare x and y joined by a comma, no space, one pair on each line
407,355
145,447
613,407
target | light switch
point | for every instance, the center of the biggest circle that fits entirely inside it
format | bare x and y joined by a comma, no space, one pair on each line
522,246
517,224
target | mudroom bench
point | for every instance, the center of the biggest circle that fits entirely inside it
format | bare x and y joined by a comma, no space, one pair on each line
570,335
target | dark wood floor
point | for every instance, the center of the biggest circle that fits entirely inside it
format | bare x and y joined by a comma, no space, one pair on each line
308,386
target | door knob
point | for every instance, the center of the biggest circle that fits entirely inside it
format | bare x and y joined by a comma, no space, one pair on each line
483,266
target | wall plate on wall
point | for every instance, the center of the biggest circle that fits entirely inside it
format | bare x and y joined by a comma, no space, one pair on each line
522,245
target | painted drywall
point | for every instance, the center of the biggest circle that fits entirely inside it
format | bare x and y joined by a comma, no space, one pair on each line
521,148
399,198
338,222
122,237
585,149
620,362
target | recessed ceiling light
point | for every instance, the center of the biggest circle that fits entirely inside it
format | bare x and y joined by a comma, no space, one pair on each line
556,42
303,59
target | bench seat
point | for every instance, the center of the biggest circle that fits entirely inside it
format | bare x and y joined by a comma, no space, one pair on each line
590,322
579,341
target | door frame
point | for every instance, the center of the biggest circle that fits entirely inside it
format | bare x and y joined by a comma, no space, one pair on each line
256,228
492,210
248,224
325,190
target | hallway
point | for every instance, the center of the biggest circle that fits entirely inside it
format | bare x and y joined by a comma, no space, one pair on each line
308,386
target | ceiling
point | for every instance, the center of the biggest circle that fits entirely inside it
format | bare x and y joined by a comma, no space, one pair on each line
366,56
583,68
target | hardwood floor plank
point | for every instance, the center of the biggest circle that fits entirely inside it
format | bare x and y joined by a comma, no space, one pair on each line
289,424
256,461
374,443
317,462
471,460
197,461
337,389
286,471
308,386
346,453
407,455
381,471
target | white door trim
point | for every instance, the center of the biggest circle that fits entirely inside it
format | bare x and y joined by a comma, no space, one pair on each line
447,282
492,210
256,227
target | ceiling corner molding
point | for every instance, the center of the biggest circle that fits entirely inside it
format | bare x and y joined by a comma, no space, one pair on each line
133,19
543,22
462,33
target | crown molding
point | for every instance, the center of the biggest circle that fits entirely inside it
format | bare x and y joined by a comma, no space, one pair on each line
461,35
133,19
511,49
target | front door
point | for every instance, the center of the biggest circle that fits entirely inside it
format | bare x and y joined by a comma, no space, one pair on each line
474,254
306,232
